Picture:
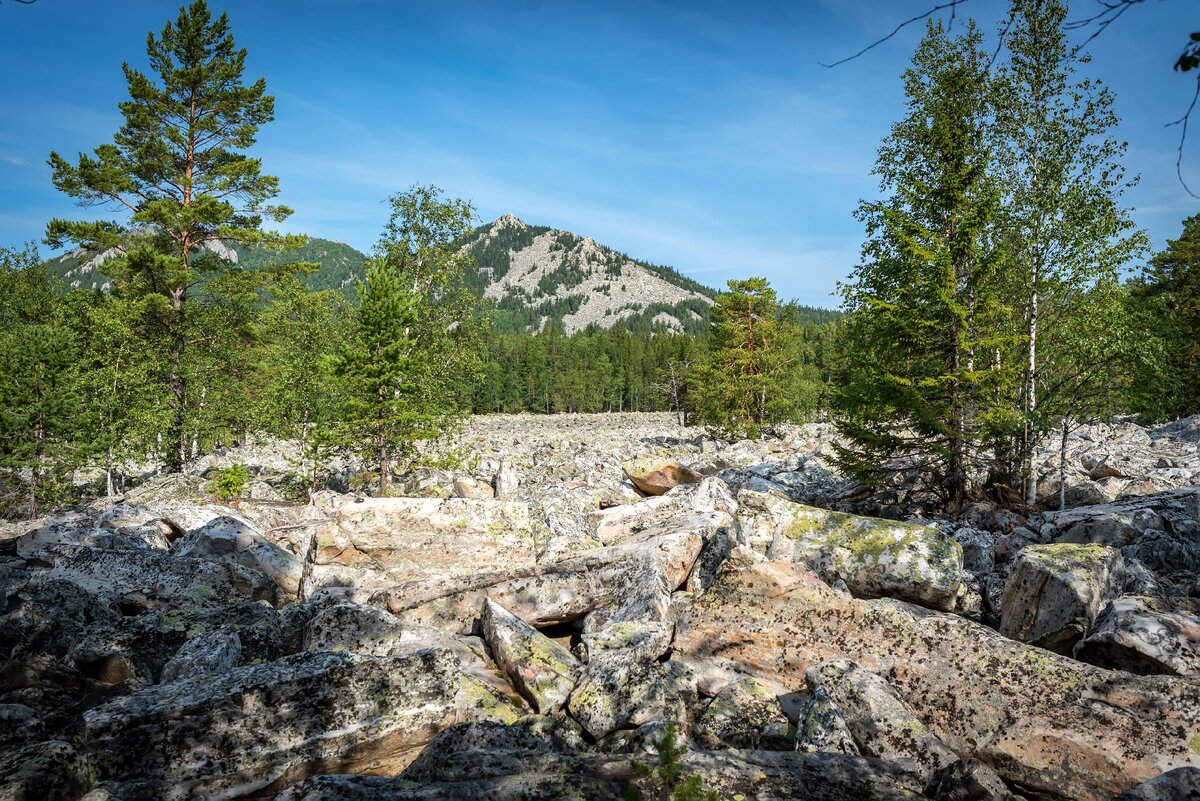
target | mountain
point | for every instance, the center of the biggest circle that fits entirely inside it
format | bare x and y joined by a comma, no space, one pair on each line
537,275
340,264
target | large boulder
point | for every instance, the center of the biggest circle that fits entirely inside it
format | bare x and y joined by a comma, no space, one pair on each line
1060,728
541,669
374,543
874,557
263,726
148,578
746,714
657,476
228,539
1145,635
1054,592
881,723
821,726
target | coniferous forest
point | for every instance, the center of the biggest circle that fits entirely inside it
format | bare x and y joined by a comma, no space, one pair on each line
1004,295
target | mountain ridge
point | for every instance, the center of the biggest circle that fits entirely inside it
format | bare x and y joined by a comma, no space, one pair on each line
535,275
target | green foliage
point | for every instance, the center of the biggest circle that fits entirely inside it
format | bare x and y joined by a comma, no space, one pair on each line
1169,295
39,401
926,299
178,169
415,341
666,781
230,482
743,384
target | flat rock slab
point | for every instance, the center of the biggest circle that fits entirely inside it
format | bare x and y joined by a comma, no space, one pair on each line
153,577
396,540
1062,728
466,764
264,726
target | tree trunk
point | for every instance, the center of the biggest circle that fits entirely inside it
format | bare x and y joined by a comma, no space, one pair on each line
108,472
1028,437
1062,466
176,390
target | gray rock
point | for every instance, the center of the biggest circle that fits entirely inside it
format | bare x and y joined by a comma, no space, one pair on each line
1181,784
215,651
151,578
882,724
968,780
1145,635
1054,592
542,670
352,628
822,727
227,539
262,723
49,771
979,549
746,714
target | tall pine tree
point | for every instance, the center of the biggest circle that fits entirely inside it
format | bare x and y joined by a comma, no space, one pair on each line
178,170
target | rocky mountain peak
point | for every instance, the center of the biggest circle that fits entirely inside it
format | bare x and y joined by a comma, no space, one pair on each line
540,275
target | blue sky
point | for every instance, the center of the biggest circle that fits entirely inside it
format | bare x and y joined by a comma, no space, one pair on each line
703,135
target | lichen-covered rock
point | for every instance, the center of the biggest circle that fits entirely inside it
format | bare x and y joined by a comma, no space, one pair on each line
1145,635
49,771
619,689
822,727
228,539
541,669
215,651
377,542
968,780
1054,592
371,631
150,578
353,628
487,762
1181,784
746,714
882,724
874,557
1058,727
262,725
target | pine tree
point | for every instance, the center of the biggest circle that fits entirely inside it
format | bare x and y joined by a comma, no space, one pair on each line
924,304
1171,286
178,170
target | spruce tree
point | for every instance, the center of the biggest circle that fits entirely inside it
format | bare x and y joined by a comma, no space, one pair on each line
738,389
416,336
39,394
924,304
177,169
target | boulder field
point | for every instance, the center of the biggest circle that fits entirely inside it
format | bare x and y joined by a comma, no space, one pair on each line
595,592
